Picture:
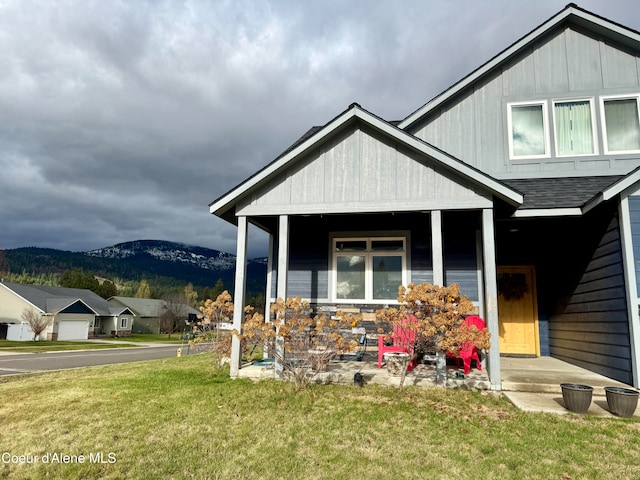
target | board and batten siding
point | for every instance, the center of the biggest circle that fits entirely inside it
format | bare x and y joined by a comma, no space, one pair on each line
591,329
563,65
360,170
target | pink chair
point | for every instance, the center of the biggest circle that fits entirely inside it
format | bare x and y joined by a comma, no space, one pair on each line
404,341
469,351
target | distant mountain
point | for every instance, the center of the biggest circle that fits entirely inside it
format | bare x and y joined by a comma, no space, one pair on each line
143,259
172,252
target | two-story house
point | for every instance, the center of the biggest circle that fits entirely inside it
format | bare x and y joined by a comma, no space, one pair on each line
520,182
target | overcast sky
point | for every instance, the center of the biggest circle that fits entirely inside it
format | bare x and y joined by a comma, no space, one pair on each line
122,120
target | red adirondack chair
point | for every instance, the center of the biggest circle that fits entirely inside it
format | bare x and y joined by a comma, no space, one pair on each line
404,341
468,351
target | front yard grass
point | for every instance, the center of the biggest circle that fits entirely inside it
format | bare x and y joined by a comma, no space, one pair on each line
55,346
180,418
101,343
149,338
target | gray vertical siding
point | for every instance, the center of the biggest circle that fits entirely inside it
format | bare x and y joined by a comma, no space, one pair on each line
567,63
590,328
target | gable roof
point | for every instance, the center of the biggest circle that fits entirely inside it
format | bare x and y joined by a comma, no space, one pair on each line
147,307
55,299
570,15
223,206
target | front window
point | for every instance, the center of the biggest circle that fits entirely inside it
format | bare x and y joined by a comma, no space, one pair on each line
528,127
622,125
123,322
369,268
574,128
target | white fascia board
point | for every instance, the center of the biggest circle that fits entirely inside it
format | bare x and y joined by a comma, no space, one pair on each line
451,163
42,312
76,301
513,49
624,187
548,212
409,140
621,185
221,203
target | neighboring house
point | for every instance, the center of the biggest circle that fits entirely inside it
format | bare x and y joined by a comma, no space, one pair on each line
148,313
76,314
521,182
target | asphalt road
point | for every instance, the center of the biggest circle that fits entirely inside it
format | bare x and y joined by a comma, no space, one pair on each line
38,362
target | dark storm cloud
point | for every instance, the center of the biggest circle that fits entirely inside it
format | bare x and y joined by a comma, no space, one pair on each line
123,120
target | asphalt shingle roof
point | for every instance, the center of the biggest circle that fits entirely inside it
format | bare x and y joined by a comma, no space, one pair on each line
571,192
51,299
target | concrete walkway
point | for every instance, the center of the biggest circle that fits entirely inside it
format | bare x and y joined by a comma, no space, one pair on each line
533,385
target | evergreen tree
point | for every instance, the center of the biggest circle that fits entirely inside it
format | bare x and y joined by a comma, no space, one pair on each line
78,278
107,289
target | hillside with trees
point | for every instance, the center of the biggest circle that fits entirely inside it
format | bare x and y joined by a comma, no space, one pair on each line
147,268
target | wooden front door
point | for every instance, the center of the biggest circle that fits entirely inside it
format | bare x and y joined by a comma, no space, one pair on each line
517,311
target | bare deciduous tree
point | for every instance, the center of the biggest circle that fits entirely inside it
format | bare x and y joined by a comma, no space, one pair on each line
174,313
36,321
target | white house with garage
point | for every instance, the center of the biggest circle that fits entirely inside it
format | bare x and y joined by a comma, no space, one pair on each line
76,314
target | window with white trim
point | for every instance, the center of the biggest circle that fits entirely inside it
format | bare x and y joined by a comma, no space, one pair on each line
574,129
621,119
123,322
528,130
368,269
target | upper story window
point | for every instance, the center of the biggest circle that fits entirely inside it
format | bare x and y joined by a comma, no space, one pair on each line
574,127
621,124
528,130
573,131
368,269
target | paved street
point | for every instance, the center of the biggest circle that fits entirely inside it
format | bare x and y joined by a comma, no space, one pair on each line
34,362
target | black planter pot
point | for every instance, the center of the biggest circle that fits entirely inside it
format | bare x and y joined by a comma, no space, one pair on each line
621,401
577,397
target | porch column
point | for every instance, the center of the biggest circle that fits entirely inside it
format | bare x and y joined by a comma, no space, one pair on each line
491,297
267,292
436,248
239,295
283,256
281,289
631,289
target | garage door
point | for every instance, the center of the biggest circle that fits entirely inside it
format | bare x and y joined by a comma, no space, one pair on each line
73,330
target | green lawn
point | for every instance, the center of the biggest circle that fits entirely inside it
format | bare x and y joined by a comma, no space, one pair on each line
59,345
150,338
107,342
180,419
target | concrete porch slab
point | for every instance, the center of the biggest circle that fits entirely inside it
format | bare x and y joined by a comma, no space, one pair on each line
545,374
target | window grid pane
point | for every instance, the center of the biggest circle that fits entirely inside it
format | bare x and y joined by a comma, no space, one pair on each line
574,131
350,277
527,123
623,127
387,276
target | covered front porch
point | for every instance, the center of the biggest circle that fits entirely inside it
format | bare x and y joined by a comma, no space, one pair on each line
358,208
530,383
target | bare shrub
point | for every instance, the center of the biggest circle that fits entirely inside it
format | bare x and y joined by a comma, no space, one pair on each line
36,321
437,315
